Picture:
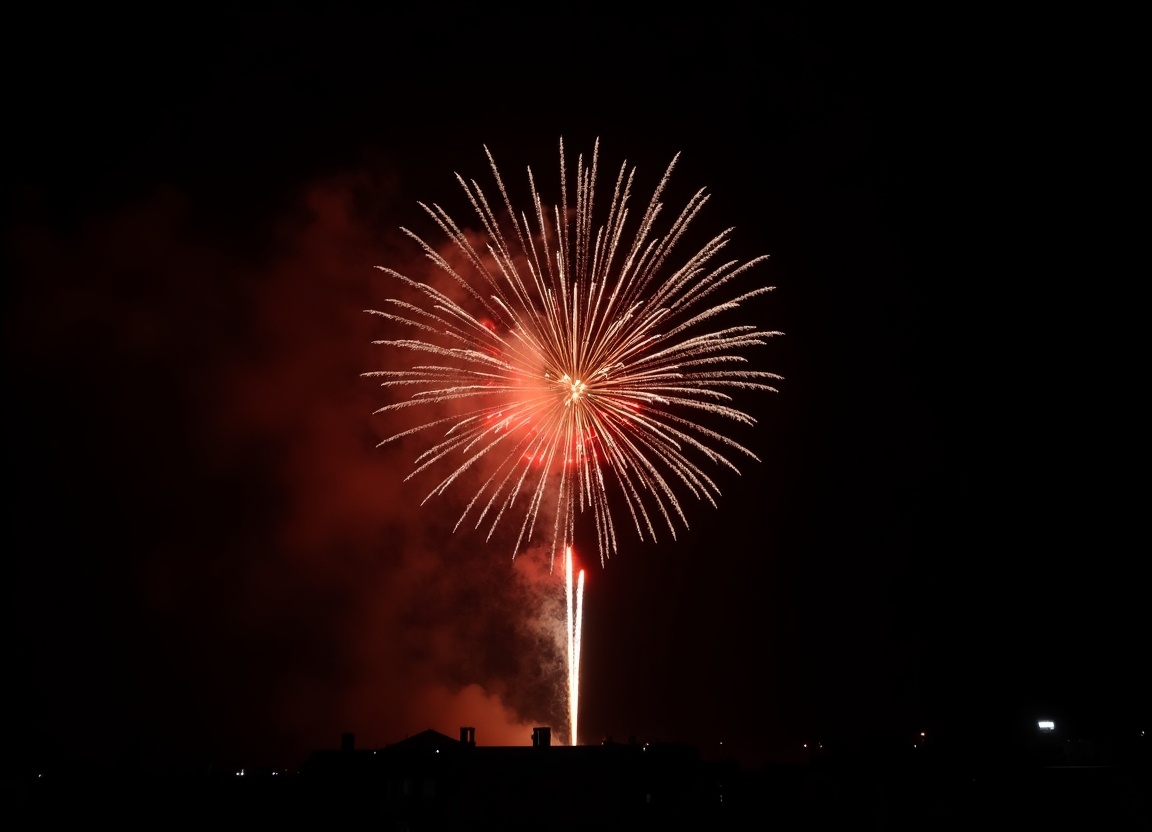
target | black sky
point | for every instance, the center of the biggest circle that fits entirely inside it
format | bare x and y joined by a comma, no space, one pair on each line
209,560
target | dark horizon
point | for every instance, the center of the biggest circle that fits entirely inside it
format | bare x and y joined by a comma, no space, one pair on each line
211,559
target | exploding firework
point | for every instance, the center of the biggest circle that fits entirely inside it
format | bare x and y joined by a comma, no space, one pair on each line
576,358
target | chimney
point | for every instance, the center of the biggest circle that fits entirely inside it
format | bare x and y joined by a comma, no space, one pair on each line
468,736
541,737
347,742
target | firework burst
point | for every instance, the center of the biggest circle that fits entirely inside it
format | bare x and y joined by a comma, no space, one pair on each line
578,359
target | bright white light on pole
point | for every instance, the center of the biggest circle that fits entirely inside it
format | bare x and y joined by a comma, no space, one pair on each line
1046,725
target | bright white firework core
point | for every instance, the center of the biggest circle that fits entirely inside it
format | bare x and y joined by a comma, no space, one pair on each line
575,388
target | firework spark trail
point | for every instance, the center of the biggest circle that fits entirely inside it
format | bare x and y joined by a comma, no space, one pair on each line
579,357
575,626
579,628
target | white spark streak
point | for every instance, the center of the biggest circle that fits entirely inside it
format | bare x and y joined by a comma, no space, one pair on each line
575,626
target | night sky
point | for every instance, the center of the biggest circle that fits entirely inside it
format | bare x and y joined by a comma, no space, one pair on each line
209,561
